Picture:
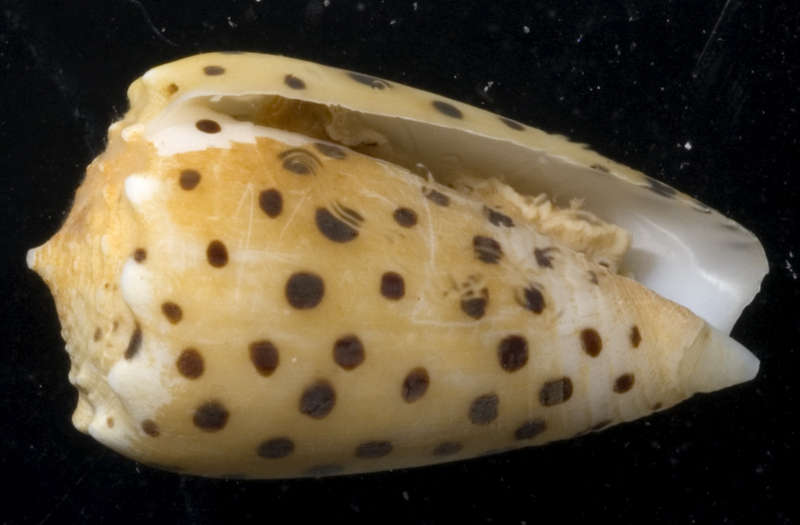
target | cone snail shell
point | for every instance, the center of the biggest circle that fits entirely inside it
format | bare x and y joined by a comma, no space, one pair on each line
282,269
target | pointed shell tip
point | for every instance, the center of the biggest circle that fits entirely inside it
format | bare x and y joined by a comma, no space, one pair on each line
30,258
716,361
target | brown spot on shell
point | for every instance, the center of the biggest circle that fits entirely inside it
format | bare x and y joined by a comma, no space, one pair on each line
373,449
436,197
531,299
318,399
190,363
593,278
172,88
600,167
299,161
334,228
497,218
543,257
348,214
513,124
368,80
329,150
474,307
172,312
134,343
211,416
591,341
139,255
660,188
405,217
623,383
483,409
487,249
447,448
657,406
415,384
150,428
530,429
264,356
275,448
213,70
393,286
555,391
348,352
208,126
512,352
304,290
98,334
189,179
110,422
217,254
448,109
636,336
271,202
294,82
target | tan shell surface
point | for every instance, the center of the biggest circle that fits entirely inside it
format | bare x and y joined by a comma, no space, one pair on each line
196,346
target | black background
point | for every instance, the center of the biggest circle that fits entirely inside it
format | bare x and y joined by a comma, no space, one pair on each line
638,80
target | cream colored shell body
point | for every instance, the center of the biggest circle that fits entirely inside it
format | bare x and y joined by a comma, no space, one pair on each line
244,300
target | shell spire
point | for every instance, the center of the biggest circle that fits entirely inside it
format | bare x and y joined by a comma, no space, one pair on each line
263,278
716,361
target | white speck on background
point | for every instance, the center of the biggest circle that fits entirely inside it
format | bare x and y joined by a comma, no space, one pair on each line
405,495
414,5
231,22
526,29
488,86
789,267
392,22
326,3
688,146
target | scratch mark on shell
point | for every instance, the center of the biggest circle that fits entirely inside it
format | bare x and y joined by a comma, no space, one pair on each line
247,193
291,217
430,265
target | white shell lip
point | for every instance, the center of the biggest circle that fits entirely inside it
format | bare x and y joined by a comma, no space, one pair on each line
681,249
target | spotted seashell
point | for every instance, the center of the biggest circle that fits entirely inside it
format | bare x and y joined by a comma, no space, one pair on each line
282,269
